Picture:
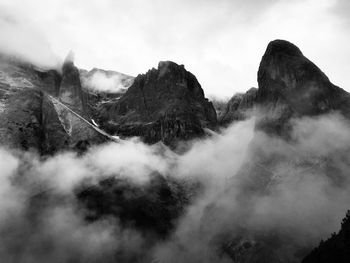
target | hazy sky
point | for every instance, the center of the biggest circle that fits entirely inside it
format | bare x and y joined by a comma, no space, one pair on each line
220,41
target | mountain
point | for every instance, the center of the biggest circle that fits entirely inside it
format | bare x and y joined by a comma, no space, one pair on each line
238,107
44,110
290,85
291,88
165,104
49,111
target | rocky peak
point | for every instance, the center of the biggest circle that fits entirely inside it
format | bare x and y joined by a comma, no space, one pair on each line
238,107
69,58
174,72
290,85
170,99
70,92
285,72
284,47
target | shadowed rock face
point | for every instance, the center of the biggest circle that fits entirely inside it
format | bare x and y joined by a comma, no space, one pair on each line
290,85
70,91
30,118
152,208
165,104
239,107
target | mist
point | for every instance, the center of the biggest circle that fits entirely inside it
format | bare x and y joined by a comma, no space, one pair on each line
112,83
303,197
21,38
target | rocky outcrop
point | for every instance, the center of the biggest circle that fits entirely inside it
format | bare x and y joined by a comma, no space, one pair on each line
70,91
290,85
31,118
165,104
239,107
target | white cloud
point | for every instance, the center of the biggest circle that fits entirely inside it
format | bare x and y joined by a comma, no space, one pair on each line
302,201
221,42
100,81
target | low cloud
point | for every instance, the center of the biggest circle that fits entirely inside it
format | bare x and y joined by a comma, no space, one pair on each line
302,196
103,82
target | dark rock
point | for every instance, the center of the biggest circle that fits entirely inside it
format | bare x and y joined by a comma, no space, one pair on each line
51,81
239,107
165,104
152,208
290,85
31,118
70,92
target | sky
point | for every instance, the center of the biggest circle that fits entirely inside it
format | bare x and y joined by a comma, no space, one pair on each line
220,41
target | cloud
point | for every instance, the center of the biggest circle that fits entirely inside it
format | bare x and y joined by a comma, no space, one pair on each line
301,194
299,197
42,218
341,9
22,39
223,50
104,82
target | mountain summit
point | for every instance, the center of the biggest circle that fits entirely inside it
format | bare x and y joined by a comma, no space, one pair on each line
165,104
290,85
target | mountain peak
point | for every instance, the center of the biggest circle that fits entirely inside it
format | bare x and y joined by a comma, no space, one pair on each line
69,58
284,47
169,64
165,67
290,85
165,104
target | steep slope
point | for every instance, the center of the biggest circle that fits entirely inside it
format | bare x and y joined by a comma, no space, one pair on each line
70,91
239,107
334,249
165,104
290,85
31,118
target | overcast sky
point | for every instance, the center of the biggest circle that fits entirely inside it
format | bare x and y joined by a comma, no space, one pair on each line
220,41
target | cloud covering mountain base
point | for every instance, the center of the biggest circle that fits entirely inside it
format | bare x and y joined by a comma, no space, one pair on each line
235,194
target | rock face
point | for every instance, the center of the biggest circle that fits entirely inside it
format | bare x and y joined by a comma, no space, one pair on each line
165,104
239,107
53,111
290,85
32,118
70,91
